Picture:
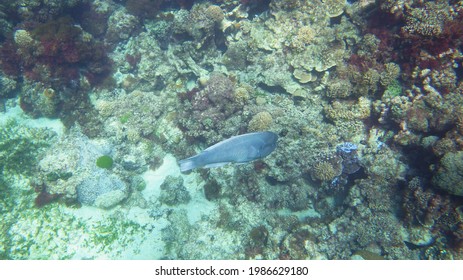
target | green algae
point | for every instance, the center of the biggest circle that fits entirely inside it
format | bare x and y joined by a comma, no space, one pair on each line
112,231
394,89
125,118
105,162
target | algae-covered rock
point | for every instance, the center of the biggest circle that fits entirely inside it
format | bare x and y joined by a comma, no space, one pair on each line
449,176
8,86
173,192
20,145
69,169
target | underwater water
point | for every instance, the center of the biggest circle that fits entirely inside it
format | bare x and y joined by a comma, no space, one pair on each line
101,99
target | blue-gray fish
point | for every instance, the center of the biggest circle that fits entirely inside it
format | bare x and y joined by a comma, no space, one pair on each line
237,149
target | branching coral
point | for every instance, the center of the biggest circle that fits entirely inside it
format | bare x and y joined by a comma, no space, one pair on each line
327,169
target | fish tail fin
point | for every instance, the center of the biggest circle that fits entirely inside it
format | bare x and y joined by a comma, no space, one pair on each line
188,164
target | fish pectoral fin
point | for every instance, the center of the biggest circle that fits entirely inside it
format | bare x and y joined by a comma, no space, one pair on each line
216,164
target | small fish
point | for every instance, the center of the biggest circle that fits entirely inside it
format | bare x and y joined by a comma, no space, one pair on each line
237,149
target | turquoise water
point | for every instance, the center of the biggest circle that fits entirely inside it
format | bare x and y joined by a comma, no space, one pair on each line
101,99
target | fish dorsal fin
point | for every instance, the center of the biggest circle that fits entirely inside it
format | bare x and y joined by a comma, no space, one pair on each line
222,142
216,164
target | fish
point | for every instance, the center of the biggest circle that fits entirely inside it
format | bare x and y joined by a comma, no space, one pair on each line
238,149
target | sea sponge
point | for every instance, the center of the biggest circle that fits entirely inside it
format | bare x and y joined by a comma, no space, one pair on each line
260,122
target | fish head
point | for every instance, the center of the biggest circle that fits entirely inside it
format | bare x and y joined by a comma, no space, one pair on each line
269,144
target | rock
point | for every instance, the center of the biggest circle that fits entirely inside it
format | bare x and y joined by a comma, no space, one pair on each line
102,189
173,192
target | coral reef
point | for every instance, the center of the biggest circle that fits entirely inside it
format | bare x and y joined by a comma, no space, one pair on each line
20,146
137,112
120,26
58,54
8,87
210,108
449,174
69,169
327,168
438,215
365,97
54,64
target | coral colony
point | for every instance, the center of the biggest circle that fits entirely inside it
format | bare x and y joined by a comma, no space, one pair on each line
101,99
